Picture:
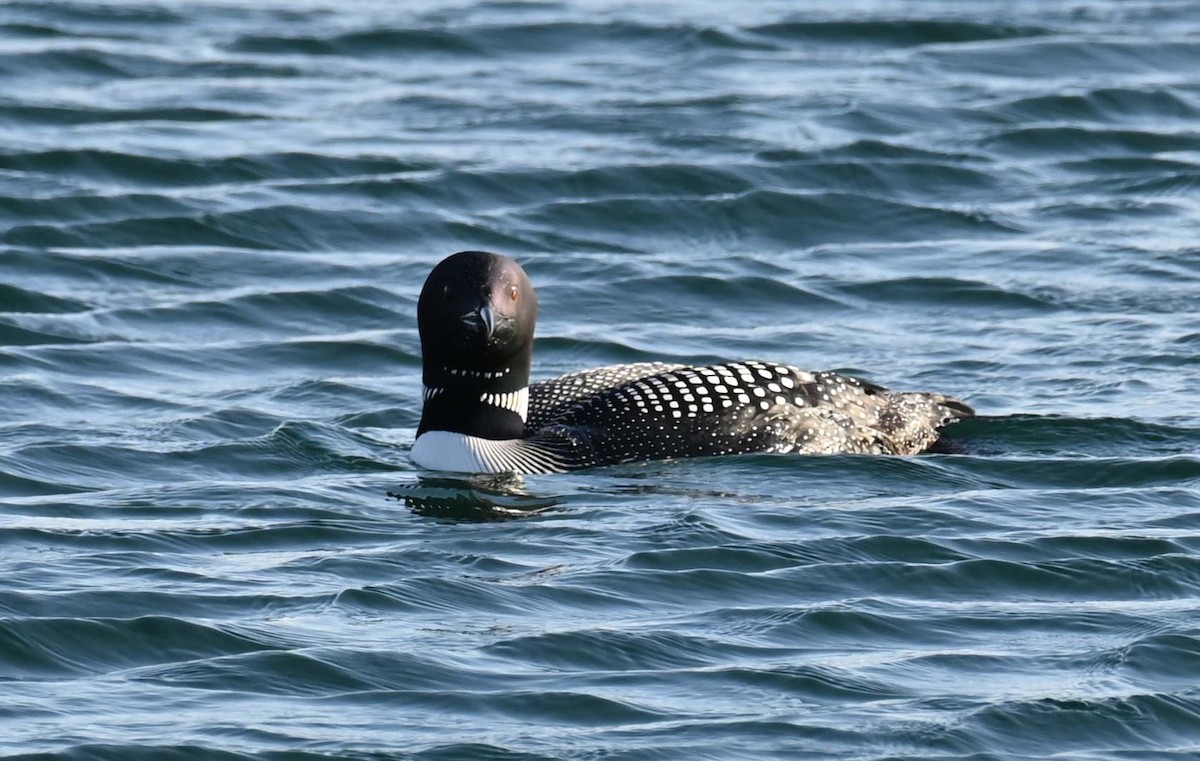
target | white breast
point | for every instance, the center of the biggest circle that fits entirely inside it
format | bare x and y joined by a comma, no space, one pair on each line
442,450
460,453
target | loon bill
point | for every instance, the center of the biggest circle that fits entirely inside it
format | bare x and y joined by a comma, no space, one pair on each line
476,317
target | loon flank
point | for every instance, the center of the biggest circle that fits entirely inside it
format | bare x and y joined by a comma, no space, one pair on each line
476,317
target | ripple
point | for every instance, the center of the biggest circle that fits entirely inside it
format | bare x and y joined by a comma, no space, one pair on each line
896,32
290,450
135,752
1073,142
1059,57
946,291
72,12
12,485
763,218
21,113
1114,723
387,42
260,314
1051,435
612,651
97,65
155,171
1104,105
1162,657
15,335
49,647
869,150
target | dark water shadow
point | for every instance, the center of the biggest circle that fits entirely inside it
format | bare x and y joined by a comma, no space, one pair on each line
473,498
1062,435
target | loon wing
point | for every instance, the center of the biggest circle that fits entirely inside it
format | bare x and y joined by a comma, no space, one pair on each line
550,397
739,407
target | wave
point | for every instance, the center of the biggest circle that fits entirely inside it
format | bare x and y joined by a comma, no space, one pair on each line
894,32
99,66
945,291
1074,142
1051,435
1105,105
483,40
157,171
767,218
18,113
50,647
1049,57
390,42
1119,723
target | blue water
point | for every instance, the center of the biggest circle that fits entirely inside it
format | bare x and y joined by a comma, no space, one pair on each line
215,218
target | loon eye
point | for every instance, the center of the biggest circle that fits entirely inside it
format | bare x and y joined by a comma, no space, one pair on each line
513,293
446,292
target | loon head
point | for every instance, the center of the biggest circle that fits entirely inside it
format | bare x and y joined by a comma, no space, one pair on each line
476,316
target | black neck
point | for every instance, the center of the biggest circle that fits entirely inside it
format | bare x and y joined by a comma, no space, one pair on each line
456,399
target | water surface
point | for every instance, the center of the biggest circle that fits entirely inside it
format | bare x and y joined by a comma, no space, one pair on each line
215,218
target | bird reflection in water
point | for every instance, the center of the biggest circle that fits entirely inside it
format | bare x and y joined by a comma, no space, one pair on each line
480,498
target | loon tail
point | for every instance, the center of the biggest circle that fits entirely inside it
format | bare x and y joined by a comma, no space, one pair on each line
958,410
912,420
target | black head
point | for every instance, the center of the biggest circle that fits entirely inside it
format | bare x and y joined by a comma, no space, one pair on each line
476,312
476,317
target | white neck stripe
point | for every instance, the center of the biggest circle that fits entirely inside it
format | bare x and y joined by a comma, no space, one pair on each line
513,401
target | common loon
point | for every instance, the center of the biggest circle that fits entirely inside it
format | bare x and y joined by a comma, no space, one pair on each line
476,317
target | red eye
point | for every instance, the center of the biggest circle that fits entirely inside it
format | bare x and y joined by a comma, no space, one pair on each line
513,293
